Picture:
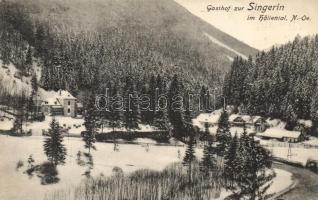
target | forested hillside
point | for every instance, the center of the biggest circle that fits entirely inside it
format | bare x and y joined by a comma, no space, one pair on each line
82,43
280,83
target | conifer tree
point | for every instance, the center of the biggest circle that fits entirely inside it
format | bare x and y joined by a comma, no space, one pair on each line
208,163
152,96
90,123
39,39
175,107
206,134
34,83
144,111
203,99
188,129
114,114
28,61
189,157
131,114
291,118
223,135
255,174
104,103
160,116
53,145
34,97
20,116
30,106
230,160
314,128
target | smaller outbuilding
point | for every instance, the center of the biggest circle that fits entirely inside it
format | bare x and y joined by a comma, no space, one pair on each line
210,119
282,135
239,120
260,124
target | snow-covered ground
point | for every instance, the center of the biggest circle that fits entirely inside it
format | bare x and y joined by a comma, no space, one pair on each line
282,180
312,141
6,121
75,125
300,155
15,185
6,124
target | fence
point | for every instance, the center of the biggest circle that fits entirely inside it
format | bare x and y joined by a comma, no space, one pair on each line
289,145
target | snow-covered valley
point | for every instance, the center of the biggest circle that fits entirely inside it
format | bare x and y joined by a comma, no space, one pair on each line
16,185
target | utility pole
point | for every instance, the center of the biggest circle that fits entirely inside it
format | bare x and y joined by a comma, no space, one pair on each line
289,153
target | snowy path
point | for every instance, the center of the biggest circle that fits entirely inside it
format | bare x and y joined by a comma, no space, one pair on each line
307,183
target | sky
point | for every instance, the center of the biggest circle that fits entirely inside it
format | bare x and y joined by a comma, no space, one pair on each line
260,35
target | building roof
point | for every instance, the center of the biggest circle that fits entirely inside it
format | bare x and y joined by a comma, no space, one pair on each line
208,118
255,118
279,133
306,123
51,102
235,117
53,98
246,118
63,94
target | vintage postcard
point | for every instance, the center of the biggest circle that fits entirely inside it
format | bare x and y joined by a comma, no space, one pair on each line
158,100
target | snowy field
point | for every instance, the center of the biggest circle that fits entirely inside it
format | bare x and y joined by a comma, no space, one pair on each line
14,185
297,153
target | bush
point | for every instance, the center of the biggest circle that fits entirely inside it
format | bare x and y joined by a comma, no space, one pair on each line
48,173
118,171
40,117
19,164
171,183
312,165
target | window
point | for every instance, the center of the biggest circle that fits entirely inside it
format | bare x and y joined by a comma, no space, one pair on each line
68,110
69,103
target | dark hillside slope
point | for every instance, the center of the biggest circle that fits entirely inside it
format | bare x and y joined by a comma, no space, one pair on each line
109,39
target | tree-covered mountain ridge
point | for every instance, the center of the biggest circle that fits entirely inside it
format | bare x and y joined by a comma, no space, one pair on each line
82,43
280,83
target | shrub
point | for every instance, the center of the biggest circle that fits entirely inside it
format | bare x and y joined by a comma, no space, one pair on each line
171,183
118,171
19,164
48,173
